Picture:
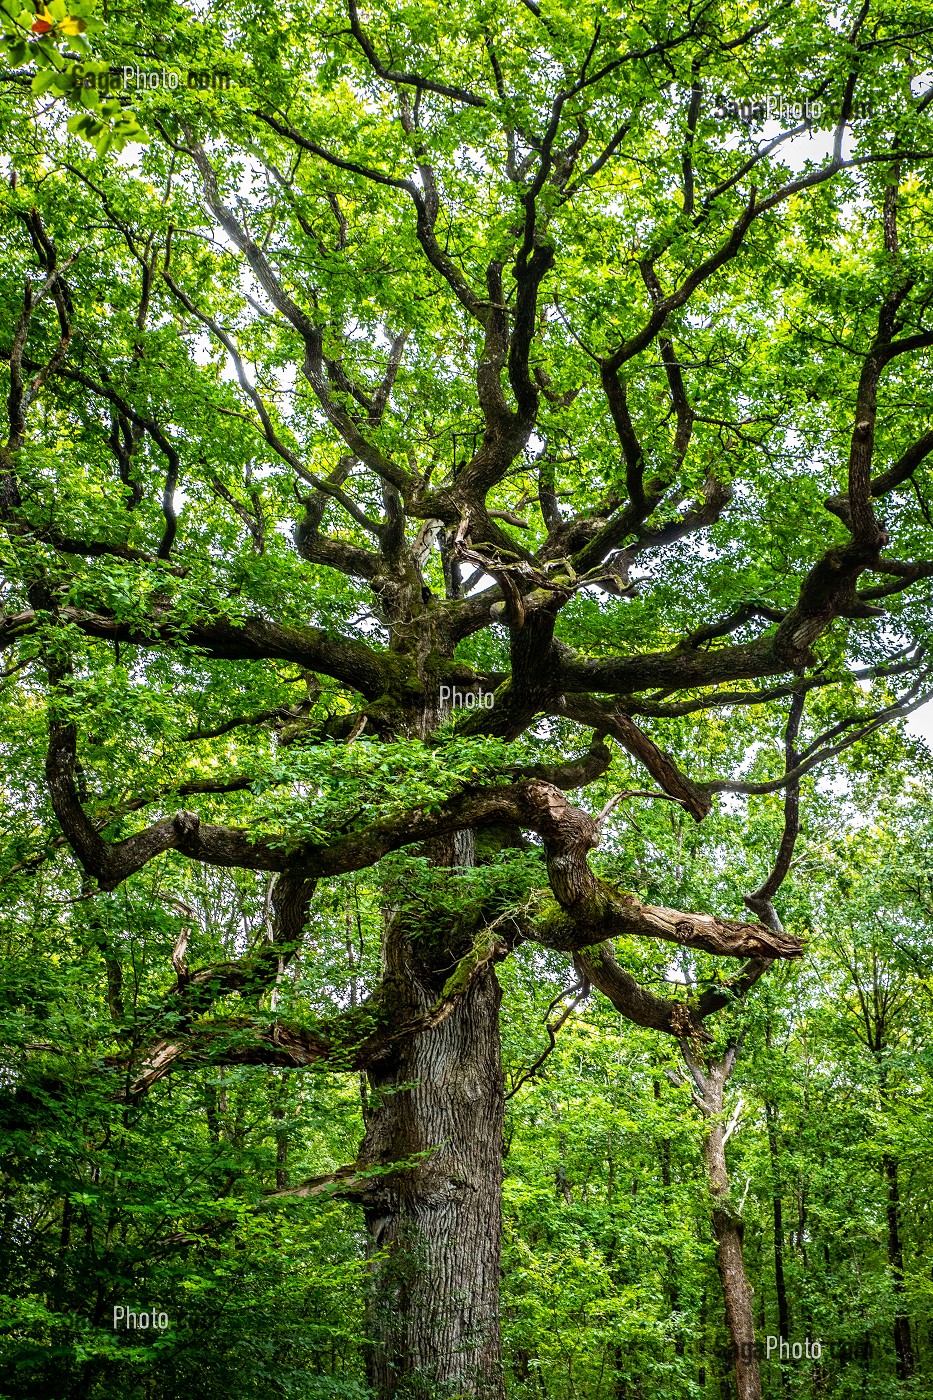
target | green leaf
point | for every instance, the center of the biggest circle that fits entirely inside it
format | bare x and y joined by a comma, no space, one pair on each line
44,79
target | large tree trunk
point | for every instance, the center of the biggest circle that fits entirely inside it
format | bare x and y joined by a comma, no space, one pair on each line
435,1226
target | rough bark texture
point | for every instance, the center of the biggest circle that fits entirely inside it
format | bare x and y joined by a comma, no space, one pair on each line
435,1228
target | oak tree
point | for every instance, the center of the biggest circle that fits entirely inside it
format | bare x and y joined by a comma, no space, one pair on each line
452,402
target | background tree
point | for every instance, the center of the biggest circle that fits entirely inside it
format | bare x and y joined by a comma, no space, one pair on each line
443,351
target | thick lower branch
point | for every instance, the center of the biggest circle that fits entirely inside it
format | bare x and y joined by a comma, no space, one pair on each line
252,639
353,1040
346,1183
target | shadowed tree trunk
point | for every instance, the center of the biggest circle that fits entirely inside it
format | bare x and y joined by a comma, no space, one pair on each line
434,1226
903,1348
777,1206
881,998
673,1291
279,1096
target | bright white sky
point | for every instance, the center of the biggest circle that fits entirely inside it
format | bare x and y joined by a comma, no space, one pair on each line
921,722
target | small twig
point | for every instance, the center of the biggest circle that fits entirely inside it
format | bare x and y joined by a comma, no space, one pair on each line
582,990
623,796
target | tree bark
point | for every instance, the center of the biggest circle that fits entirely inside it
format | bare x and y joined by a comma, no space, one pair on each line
701,1365
435,1226
279,1096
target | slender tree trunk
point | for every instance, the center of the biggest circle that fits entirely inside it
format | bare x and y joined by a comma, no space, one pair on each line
279,1101
709,1082
435,1226
777,1208
730,1261
903,1349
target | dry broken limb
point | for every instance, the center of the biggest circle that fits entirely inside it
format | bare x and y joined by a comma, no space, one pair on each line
438,554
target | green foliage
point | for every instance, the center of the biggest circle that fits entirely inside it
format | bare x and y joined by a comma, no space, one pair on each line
53,43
